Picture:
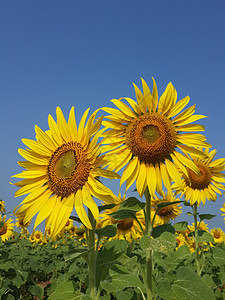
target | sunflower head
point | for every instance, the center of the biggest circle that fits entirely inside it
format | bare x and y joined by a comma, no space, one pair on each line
6,228
2,206
218,234
148,136
208,182
62,168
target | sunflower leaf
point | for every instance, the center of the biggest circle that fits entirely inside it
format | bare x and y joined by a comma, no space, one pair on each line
123,214
206,217
158,230
104,207
75,219
132,203
107,231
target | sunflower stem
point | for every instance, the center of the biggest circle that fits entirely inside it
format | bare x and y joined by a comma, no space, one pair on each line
196,239
92,257
149,253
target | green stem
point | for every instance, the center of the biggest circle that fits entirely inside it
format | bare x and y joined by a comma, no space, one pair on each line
91,257
196,240
149,253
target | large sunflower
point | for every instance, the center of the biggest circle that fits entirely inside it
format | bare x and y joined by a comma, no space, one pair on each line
149,136
61,172
206,184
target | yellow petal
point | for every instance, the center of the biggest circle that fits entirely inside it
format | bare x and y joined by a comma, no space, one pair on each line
178,107
37,147
29,187
128,171
32,158
151,180
140,98
31,174
45,139
154,95
124,108
174,174
187,162
81,211
165,176
130,180
192,151
62,125
90,203
141,180
55,133
134,105
72,124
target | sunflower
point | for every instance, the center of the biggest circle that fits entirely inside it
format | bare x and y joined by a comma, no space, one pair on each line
200,225
62,170
181,240
69,225
167,213
2,206
206,184
20,222
129,228
38,236
218,234
78,232
148,137
6,228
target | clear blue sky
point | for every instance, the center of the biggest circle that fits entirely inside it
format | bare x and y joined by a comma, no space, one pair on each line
84,53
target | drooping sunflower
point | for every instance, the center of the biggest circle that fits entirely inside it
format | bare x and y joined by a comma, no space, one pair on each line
20,222
148,137
6,228
200,225
128,228
62,170
218,234
206,184
167,213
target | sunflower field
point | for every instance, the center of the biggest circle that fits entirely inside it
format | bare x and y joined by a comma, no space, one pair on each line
100,245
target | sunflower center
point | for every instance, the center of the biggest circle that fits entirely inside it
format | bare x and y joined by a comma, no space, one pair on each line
151,137
165,211
3,229
216,234
201,180
68,169
125,224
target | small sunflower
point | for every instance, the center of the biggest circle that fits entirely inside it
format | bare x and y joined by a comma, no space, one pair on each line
148,137
69,225
129,228
181,240
167,213
20,222
218,234
206,184
2,206
61,172
6,228
38,236
200,225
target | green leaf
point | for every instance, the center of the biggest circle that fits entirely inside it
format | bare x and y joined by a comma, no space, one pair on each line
204,236
123,214
206,217
145,242
104,207
119,279
187,286
132,203
158,230
67,290
107,231
74,218
181,226
218,256
76,253
36,290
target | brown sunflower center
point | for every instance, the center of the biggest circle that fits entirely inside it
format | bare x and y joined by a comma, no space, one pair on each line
201,180
151,137
165,211
68,169
216,234
125,224
3,229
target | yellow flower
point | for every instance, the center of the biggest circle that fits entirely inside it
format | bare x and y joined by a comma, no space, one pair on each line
38,236
20,222
61,170
218,234
149,136
181,240
129,228
167,213
199,187
200,225
79,232
2,206
6,228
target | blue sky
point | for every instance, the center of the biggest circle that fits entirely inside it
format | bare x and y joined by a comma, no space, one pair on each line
84,53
